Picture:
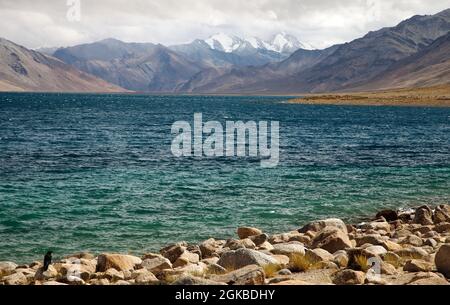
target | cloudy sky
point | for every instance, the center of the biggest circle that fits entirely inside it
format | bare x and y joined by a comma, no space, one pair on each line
46,23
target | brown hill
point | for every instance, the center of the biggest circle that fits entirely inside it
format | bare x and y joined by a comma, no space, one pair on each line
22,69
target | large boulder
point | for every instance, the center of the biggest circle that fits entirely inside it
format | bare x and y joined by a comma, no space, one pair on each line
15,279
119,262
349,277
442,260
7,268
156,263
441,214
417,265
331,239
319,225
246,232
389,215
237,259
424,215
42,274
210,248
173,252
289,249
248,275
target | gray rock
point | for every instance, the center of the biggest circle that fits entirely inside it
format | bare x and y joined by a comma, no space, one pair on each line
237,259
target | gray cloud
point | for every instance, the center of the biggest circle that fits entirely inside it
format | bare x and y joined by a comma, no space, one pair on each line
322,23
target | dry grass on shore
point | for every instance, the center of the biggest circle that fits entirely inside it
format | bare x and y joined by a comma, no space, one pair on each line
437,96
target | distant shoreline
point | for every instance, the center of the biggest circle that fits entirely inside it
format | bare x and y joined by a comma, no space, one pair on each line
438,96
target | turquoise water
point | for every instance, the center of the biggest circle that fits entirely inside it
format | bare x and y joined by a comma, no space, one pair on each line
95,172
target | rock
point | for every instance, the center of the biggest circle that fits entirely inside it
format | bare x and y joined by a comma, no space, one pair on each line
210,261
234,244
279,238
265,246
374,251
113,275
388,215
144,277
423,216
341,258
156,264
387,268
42,275
443,227
441,214
373,239
245,232
332,240
284,272
401,233
282,260
99,282
349,277
304,239
377,226
248,275
392,258
289,249
237,259
259,239
15,279
430,242
74,280
317,226
430,281
7,268
119,262
417,265
318,255
391,246
215,269
189,280
186,258
210,247
442,260
412,253
412,240
173,252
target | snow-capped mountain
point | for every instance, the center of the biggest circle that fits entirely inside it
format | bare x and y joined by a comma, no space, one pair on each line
281,43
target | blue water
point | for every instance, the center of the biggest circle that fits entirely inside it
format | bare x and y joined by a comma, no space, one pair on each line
96,173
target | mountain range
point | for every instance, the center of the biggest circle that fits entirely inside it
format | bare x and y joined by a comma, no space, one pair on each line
415,52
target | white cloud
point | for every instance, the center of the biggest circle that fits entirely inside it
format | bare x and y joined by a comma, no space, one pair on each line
318,22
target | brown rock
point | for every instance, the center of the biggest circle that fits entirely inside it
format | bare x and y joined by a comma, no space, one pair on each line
349,277
319,255
442,260
173,252
210,247
442,227
233,260
332,240
249,275
441,214
417,265
156,264
317,226
119,262
7,268
423,215
289,249
245,232
15,279
388,215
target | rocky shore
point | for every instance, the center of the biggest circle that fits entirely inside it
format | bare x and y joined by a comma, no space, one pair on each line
395,248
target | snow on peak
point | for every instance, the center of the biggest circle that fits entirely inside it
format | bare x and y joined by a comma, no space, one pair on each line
280,43
224,42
